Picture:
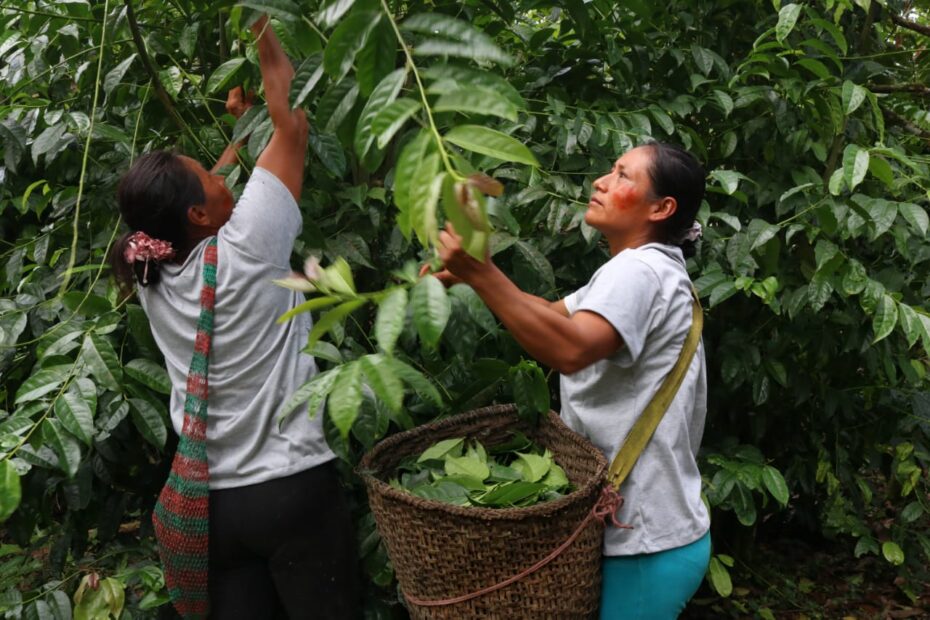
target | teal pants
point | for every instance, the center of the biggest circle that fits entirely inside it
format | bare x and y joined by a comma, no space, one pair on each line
653,586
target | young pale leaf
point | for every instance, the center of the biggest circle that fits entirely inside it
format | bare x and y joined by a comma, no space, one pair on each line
477,100
65,446
391,118
10,490
467,466
787,18
221,78
115,75
345,399
285,10
466,208
306,77
492,143
148,422
886,317
720,578
532,467
333,12
75,415
42,382
775,484
150,374
98,354
392,313
556,478
382,379
855,165
383,94
431,310
893,553
416,380
346,41
328,320
440,450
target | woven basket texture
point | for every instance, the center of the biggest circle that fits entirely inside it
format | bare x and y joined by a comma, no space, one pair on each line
443,551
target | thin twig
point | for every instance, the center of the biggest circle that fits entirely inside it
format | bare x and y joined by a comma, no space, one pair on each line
906,23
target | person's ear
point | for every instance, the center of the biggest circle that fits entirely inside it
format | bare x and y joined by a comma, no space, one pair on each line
198,216
663,209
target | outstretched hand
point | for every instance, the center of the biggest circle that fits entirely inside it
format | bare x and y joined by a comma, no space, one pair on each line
458,263
237,102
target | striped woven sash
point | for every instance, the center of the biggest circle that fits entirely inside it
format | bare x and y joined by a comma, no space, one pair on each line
181,516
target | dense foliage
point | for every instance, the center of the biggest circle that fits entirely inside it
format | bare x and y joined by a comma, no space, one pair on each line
812,119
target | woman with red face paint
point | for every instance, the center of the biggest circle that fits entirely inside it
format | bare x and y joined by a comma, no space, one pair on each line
253,521
614,341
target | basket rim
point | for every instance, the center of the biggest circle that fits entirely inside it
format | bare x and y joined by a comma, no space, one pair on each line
376,485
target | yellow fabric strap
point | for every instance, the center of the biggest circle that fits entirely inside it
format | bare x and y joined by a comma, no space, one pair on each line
647,423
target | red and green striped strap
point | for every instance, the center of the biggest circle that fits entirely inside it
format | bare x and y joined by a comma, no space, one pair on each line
181,516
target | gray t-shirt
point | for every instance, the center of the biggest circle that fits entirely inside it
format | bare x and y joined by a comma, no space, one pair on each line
645,293
255,363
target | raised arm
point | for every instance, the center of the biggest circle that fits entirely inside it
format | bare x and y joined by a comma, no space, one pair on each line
236,104
542,328
284,155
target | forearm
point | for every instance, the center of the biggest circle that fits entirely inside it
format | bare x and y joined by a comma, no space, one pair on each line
230,156
277,73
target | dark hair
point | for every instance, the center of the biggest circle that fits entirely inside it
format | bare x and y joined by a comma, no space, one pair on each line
154,197
677,173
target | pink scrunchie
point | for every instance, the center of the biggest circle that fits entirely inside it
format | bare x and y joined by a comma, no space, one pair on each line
141,247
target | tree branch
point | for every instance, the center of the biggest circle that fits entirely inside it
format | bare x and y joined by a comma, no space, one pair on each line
908,126
160,91
918,89
906,23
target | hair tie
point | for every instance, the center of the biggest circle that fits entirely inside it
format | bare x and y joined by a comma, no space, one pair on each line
692,234
141,247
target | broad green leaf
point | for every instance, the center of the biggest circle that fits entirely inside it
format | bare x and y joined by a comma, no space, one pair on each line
440,450
389,322
511,493
383,94
461,38
335,104
787,18
532,467
104,601
556,478
702,58
728,179
66,447
326,146
391,118
762,233
150,374
492,143
285,10
313,392
10,490
467,466
477,100
853,96
425,187
476,308
724,101
115,75
380,376
775,484
408,164
893,553
332,12
306,78
249,122
98,354
910,324
308,306
916,216
416,380
855,165
431,310
328,320
148,422
376,59
886,317
346,41
720,578
221,78
452,77
42,382
75,414
345,399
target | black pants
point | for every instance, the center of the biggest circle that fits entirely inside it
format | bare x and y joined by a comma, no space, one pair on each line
284,549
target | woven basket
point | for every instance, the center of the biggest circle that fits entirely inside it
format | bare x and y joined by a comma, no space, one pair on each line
441,551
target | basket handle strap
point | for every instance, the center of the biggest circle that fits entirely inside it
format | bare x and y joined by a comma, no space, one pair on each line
646,424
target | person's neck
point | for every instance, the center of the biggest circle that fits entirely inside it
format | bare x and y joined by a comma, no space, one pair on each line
626,241
195,234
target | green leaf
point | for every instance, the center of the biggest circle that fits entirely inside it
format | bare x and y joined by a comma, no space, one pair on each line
285,10
511,493
724,101
775,484
916,216
431,310
392,313
382,379
787,18
313,392
333,12
461,38
377,58
346,41
328,320
440,450
886,317
728,179
720,578
910,324
104,601
75,414
98,354
335,104
150,374
308,306
853,96
855,165
467,466
306,78
762,232
466,208
115,75
65,446
391,118
532,467
148,422
384,93
477,100
492,143
326,146
416,380
42,382
222,77
893,553
10,490
345,399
